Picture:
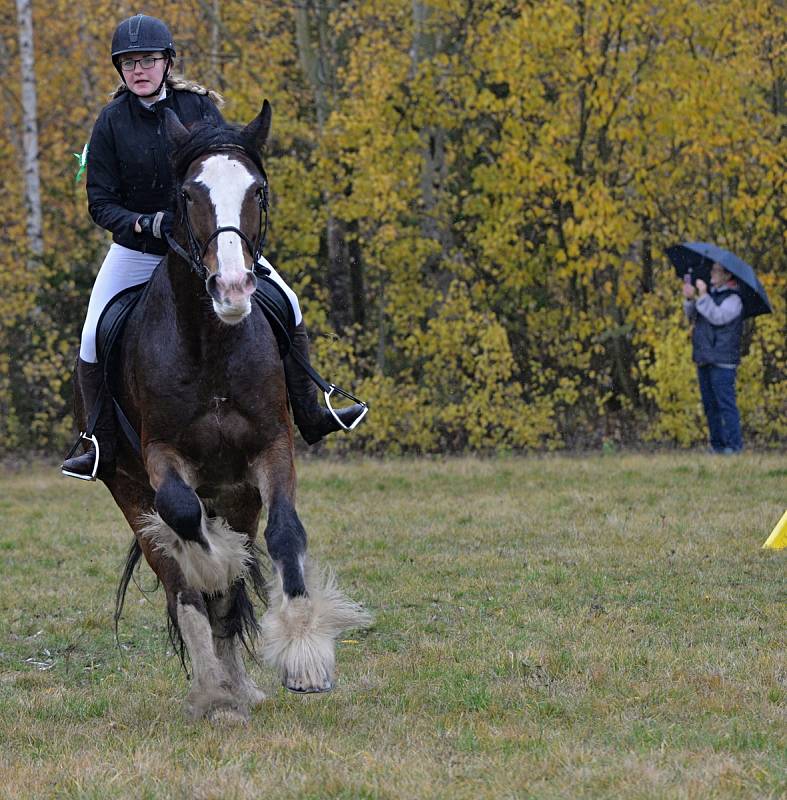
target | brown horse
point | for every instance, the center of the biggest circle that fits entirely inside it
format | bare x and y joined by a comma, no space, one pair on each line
203,384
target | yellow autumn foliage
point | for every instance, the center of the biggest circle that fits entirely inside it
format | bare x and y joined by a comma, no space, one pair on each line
472,201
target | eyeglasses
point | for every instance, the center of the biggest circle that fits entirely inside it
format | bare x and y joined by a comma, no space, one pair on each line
146,62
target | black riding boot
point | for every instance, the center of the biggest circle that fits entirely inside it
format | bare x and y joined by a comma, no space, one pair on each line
91,377
313,420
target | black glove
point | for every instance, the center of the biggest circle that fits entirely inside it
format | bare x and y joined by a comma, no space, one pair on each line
158,224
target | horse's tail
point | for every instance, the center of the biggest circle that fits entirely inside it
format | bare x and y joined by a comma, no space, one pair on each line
132,559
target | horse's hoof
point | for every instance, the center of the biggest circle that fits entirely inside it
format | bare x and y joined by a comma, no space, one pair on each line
301,687
255,695
227,716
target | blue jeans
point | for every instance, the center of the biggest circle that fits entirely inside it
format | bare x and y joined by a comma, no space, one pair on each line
717,388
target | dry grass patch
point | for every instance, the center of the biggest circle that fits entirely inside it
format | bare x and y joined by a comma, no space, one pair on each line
545,627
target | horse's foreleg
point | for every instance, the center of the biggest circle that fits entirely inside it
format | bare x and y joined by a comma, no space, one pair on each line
210,554
227,615
232,617
176,501
306,611
213,693
204,562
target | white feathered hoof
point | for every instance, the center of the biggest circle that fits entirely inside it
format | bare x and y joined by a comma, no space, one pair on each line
298,686
299,633
217,704
294,644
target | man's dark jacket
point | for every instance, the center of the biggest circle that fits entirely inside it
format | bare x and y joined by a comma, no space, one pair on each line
128,170
717,344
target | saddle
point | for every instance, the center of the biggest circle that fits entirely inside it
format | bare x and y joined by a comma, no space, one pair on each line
269,296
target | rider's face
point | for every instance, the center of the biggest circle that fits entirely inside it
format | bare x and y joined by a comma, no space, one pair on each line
144,80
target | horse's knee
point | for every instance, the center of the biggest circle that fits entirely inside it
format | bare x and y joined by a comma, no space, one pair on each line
179,507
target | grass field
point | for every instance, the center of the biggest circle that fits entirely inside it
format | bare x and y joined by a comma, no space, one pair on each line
554,627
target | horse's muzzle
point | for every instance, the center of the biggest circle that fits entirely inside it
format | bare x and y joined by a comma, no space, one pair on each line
231,298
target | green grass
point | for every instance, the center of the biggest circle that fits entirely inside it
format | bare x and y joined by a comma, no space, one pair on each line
555,627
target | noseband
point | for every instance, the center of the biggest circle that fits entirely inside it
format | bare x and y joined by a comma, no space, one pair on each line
196,253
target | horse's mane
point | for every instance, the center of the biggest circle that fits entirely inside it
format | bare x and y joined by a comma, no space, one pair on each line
204,137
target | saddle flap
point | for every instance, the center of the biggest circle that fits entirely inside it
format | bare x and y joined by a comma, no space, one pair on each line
112,320
275,304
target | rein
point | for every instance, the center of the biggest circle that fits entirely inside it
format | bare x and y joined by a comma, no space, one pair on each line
196,252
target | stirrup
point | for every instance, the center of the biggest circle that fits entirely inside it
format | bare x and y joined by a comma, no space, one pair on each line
82,437
333,388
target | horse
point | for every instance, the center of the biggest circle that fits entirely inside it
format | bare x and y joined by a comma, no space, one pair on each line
202,382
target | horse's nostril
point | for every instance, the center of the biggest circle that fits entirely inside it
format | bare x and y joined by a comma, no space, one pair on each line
250,282
213,287
229,292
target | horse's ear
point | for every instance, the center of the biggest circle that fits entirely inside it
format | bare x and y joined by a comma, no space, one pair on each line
259,128
176,132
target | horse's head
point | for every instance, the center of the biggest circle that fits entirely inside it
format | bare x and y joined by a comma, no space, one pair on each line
222,195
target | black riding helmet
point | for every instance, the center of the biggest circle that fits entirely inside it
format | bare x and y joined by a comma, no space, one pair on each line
142,34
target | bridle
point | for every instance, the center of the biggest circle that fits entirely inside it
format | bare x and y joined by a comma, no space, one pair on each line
196,249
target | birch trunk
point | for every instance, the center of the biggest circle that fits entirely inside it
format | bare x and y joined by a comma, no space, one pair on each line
24,16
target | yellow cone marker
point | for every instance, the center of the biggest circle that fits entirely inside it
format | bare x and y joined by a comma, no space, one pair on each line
778,538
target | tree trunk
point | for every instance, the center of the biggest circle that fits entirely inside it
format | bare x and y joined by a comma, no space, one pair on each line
215,46
10,100
427,43
24,16
314,45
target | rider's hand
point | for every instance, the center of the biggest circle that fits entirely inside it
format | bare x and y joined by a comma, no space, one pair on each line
144,224
157,225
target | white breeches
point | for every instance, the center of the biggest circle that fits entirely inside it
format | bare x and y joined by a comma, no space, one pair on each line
123,268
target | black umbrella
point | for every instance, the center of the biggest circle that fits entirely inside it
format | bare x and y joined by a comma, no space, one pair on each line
696,260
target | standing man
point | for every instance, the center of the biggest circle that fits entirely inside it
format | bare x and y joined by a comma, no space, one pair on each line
717,317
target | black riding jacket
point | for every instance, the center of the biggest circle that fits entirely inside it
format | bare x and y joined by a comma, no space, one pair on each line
128,170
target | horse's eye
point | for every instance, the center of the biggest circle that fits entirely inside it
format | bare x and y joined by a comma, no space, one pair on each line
187,197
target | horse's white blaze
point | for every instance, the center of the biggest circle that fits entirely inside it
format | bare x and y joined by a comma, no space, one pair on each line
227,181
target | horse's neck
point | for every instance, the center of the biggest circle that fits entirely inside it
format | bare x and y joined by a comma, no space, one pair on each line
186,289
185,300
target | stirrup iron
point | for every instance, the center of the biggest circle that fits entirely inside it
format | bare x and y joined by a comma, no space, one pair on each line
83,437
333,388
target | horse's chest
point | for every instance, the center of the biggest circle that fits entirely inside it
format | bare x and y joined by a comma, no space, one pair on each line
222,423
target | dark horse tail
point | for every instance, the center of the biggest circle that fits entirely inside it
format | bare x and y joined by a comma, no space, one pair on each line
132,559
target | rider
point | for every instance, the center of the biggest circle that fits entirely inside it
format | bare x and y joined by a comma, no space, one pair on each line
131,194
